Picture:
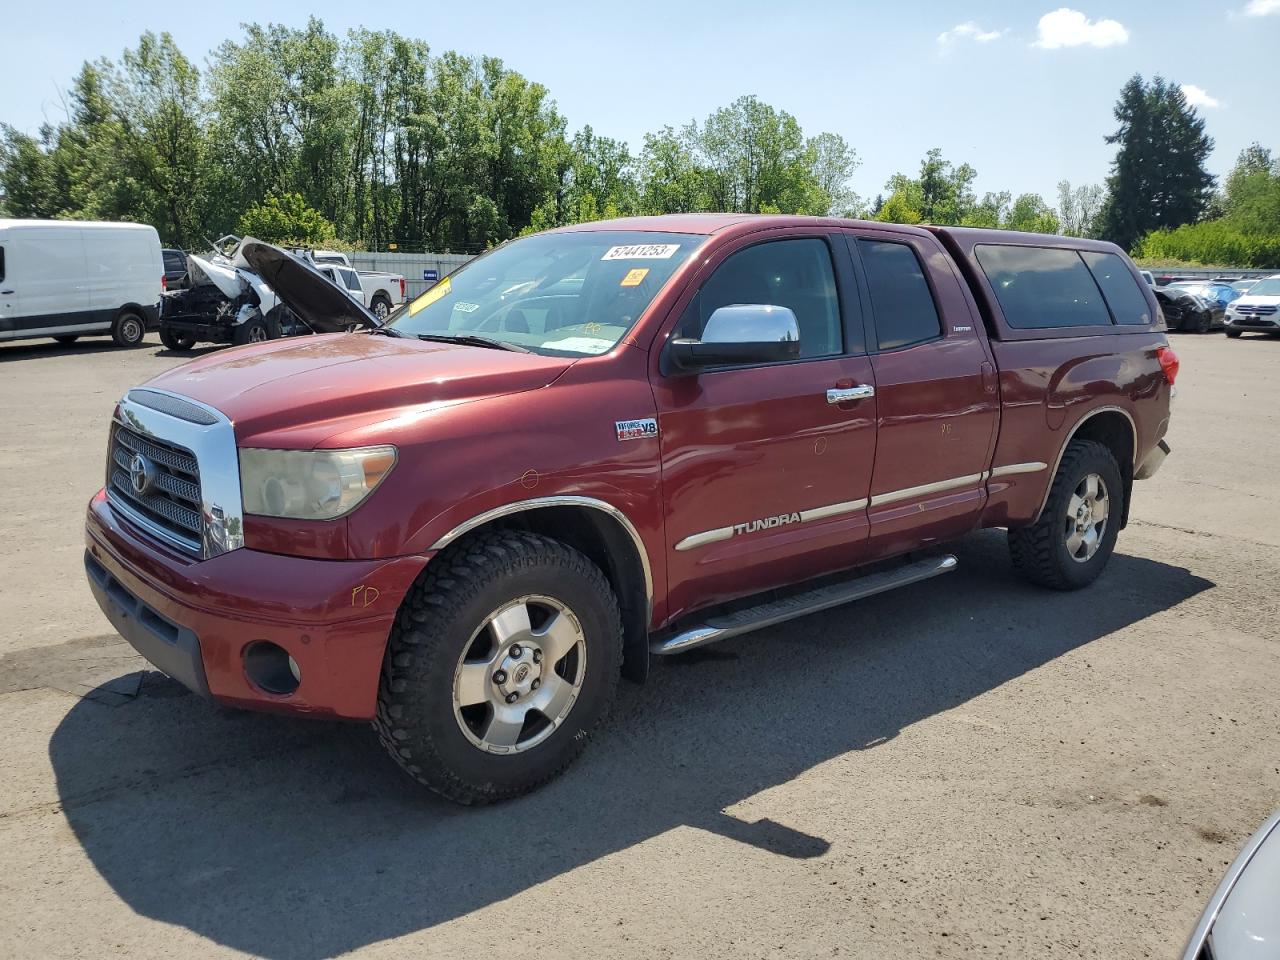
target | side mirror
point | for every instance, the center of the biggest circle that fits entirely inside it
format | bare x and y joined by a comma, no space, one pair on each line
740,333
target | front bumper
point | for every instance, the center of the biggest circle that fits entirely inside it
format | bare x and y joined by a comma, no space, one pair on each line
1262,324
194,619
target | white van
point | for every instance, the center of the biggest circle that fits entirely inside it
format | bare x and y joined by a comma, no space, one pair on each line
67,278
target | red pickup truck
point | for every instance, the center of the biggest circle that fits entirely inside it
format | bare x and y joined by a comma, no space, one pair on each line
610,441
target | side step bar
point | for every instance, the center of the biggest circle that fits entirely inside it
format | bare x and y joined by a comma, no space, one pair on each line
823,598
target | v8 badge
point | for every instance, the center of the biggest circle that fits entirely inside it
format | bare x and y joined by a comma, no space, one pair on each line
636,429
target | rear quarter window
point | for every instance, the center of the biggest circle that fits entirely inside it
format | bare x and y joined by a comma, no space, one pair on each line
1123,295
1042,287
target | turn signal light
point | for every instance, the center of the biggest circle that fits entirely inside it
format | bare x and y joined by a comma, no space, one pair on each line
1168,363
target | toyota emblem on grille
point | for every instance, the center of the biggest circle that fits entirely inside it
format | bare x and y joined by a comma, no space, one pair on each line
140,474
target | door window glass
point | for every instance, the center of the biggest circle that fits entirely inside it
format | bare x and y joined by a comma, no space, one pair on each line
900,296
782,273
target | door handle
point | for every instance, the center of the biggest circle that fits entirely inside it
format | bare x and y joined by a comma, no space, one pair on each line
5,293
864,392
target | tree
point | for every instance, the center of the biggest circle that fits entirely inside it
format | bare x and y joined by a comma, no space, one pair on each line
1031,214
942,193
286,219
1079,208
1158,178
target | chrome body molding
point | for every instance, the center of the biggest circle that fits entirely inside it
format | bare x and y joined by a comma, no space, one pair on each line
523,506
939,486
1062,451
214,447
1009,469
695,540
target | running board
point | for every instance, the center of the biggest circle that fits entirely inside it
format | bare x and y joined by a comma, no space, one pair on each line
800,605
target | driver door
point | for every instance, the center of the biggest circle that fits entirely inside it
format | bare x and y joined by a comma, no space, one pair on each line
765,476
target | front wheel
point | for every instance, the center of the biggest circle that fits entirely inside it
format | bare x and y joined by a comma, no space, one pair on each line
1068,547
257,329
504,658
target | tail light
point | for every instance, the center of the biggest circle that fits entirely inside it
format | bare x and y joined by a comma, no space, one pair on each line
402,288
1168,363
164,283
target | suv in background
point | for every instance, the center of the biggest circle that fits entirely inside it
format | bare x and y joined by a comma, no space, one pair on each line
1257,310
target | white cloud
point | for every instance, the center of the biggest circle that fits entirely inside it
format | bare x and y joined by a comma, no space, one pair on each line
1198,97
1260,8
971,31
1065,27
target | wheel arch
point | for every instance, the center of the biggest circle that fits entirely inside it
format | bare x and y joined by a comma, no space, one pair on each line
1115,429
602,533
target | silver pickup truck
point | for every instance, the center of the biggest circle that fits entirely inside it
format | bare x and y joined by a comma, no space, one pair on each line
379,292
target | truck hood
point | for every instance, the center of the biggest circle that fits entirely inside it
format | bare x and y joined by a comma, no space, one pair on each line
321,304
315,386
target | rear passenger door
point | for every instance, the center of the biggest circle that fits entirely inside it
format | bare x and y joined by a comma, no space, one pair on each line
937,402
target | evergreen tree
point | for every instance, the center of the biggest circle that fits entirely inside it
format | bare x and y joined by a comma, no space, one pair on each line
1158,178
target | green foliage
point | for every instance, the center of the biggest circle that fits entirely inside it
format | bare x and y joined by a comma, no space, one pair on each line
1158,179
1211,242
287,220
1247,231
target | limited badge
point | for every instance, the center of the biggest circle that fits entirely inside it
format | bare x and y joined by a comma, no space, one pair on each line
636,429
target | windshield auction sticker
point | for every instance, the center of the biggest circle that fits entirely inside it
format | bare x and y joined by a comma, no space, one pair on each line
642,251
634,277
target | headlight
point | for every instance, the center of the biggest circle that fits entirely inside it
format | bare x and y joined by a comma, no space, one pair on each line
311,484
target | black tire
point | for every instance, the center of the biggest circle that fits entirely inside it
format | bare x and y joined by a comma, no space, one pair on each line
259,329
176,341
442,619
1234,334
129,330
1204,323
1040,552
380,306
67,339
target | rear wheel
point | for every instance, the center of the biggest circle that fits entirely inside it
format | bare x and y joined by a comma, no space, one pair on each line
381,307
504,658
1204,323
1068,547
1234,334
176,341
128,330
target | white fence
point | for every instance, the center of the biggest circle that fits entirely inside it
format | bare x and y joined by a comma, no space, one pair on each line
412,266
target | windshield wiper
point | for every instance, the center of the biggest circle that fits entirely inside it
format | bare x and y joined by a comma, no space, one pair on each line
473,340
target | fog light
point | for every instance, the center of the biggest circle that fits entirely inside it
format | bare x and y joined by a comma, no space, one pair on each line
271,668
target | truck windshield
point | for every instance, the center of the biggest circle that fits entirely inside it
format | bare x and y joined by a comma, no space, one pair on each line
561,294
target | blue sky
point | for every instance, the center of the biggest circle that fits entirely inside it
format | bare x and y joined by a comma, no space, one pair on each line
1022,91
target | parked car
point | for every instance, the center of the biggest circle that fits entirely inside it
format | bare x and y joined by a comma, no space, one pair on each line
1256,310
1241,921
1244,286
67,279
229,301
1185,311
175,268
380,292
1212,290
461,525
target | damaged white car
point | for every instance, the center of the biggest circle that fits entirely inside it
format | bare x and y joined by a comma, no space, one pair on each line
232,299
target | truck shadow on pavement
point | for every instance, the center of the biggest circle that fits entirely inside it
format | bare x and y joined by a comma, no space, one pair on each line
296,839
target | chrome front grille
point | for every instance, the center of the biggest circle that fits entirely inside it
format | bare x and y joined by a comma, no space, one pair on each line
158,483
1257,310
